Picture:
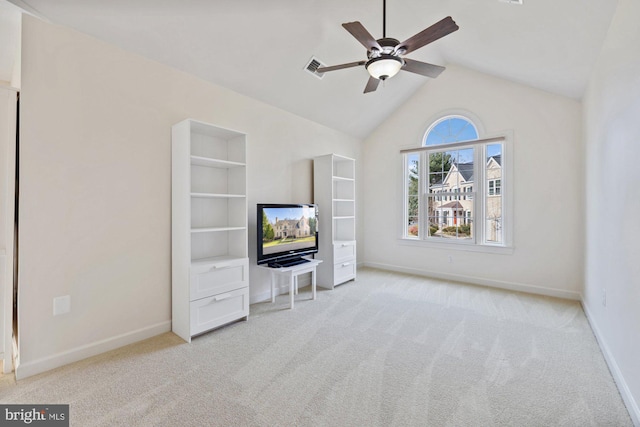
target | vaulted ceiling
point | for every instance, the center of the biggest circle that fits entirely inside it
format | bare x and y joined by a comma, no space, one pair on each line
260,48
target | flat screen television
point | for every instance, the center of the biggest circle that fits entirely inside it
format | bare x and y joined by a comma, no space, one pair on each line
286,232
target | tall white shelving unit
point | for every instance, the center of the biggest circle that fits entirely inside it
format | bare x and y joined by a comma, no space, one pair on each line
335,194
210,264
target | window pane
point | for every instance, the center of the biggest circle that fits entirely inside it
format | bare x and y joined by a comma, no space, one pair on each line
435,183
493,214
450,197
412,194
451,219
440,162
451,129
412,227
413,164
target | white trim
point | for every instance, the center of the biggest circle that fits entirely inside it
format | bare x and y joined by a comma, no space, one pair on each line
457,112
453,145
470,246
9,87
24,370
280,290
29,9
512,286
623,388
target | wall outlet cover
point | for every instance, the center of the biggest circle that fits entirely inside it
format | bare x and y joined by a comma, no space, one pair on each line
61,305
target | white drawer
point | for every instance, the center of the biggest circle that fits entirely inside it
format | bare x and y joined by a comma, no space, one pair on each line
344,271
216,278
343,251
209,313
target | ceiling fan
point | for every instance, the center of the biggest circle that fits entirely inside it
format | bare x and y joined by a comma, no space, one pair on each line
385,56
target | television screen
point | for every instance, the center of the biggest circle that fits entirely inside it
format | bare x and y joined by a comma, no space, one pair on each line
286,231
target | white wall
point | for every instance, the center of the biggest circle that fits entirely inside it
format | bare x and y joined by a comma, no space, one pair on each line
612,135
95,190
8,100
548,211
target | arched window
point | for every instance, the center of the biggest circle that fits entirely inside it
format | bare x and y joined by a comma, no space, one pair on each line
450,129
453,185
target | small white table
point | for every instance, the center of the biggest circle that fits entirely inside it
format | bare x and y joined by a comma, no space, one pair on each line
292,274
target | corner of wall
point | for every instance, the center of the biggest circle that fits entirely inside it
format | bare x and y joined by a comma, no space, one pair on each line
616,373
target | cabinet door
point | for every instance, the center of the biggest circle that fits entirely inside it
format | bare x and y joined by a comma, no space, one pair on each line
211,312
344,251
216,278
344,271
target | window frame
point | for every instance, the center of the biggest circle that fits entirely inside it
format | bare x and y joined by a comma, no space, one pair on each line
478,191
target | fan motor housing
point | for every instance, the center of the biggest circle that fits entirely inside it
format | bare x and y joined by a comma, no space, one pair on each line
387,44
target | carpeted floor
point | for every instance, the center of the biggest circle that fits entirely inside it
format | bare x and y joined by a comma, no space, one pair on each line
386,350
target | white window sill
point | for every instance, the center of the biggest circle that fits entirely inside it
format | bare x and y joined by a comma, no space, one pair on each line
469,247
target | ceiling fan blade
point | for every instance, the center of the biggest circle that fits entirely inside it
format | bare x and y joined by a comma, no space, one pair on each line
422,68
358,31
428,35
372,85
340,67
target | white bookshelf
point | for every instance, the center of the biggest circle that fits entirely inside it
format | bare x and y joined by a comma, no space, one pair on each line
210,264
334,193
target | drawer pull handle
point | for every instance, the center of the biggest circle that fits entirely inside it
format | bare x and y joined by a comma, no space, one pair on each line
220,267
221,297
346,264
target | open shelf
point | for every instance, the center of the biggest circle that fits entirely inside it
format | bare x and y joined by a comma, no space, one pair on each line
214,163
217,195
344,189
213,260
215,229
218,243
344,229
344,208
343,168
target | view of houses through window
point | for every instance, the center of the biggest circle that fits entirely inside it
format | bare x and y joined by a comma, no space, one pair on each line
454,193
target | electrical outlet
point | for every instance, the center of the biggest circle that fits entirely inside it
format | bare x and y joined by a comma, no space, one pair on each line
450,259
61,305
604,297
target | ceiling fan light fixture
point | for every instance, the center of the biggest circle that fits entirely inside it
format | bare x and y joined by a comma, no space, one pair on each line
384,66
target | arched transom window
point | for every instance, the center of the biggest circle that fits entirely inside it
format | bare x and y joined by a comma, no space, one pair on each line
450,129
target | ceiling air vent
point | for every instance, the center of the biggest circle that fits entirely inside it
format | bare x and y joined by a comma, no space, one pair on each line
512,1
312,67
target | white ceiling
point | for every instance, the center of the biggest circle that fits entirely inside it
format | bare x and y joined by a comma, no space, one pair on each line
259,48
9,40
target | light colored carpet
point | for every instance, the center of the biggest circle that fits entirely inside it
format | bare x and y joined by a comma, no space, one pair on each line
387,350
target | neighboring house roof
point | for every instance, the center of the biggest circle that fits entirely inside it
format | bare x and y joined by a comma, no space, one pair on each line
498,159
452,205
466,170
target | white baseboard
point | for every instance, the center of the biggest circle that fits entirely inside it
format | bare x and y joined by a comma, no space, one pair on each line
623,388
24,370
520,287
